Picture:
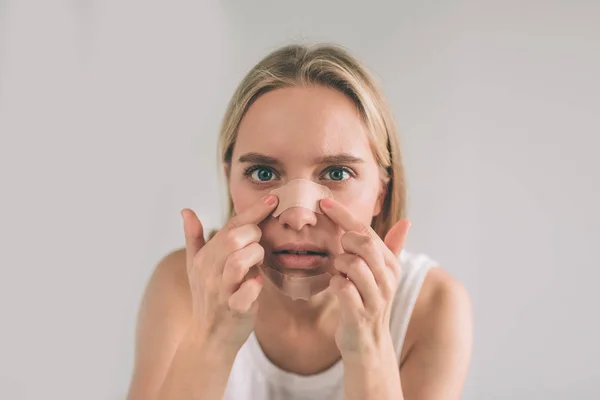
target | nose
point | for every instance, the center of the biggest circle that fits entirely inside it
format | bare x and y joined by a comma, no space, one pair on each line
297,218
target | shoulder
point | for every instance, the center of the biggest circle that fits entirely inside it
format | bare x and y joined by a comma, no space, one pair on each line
169,280
162,320
442,318
439,339
443,298
167,296
172,268
439,293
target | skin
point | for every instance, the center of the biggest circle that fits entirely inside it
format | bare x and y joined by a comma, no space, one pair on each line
287,134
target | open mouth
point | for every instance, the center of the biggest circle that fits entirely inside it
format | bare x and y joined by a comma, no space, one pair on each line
302,252
294,256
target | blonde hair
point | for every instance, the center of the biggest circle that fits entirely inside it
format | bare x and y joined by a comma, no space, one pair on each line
331,66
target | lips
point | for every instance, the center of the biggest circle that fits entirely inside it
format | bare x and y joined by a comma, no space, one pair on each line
300,248
300,256
301,252
300,261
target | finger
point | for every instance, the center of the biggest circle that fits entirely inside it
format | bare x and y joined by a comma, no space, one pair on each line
238,238
357,270
237,266
350,303
194,234
243,299
256,213
396,236
369,248
343,217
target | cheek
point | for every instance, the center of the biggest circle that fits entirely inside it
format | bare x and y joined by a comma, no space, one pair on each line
360,201
242,196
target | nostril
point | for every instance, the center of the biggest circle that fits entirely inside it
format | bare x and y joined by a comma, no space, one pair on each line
297,217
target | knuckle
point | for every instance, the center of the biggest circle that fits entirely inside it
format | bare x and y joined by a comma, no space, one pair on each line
356,263
388,291
389,285
339,264
343,261
238,271
236,267
335,280
367,241
364,230
396,272
346,286
234,261
234,240
234,305
257,231
358,238
261,251
348,238
350,235
241,301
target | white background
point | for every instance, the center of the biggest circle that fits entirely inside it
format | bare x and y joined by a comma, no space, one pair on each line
109,112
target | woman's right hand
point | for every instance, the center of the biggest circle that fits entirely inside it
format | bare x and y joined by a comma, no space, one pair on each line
224,300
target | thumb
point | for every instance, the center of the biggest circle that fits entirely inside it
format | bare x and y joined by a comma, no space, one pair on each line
396,236
194,234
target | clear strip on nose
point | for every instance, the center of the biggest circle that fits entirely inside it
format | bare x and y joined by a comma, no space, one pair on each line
300,193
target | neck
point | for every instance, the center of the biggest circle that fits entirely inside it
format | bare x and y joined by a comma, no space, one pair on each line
278,310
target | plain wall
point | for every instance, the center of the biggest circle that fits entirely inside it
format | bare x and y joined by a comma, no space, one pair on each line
109,113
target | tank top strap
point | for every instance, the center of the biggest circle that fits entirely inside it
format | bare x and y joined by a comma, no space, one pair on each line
414,270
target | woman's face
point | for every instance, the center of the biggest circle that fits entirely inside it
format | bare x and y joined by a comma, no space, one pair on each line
313,133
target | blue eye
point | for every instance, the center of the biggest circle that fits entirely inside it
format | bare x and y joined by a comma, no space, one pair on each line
338,174
262,174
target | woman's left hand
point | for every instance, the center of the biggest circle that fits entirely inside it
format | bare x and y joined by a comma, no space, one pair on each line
365,295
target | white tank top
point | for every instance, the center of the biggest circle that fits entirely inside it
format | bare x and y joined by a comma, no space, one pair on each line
254,377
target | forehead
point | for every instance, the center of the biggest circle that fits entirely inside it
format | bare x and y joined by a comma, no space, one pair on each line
303,121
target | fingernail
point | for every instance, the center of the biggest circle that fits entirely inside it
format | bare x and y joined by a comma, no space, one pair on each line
270,199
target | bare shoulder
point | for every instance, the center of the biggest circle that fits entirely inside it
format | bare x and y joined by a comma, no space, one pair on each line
167,297
439,336
162,320
443,303
443,293
170,272
167,290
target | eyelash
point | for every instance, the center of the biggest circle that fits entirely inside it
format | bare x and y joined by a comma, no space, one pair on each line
248,172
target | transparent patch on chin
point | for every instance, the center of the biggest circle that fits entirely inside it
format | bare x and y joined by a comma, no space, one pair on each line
297,287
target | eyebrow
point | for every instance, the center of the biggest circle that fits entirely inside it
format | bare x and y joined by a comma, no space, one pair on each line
343,158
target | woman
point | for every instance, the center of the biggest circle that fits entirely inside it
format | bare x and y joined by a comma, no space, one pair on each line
214,323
